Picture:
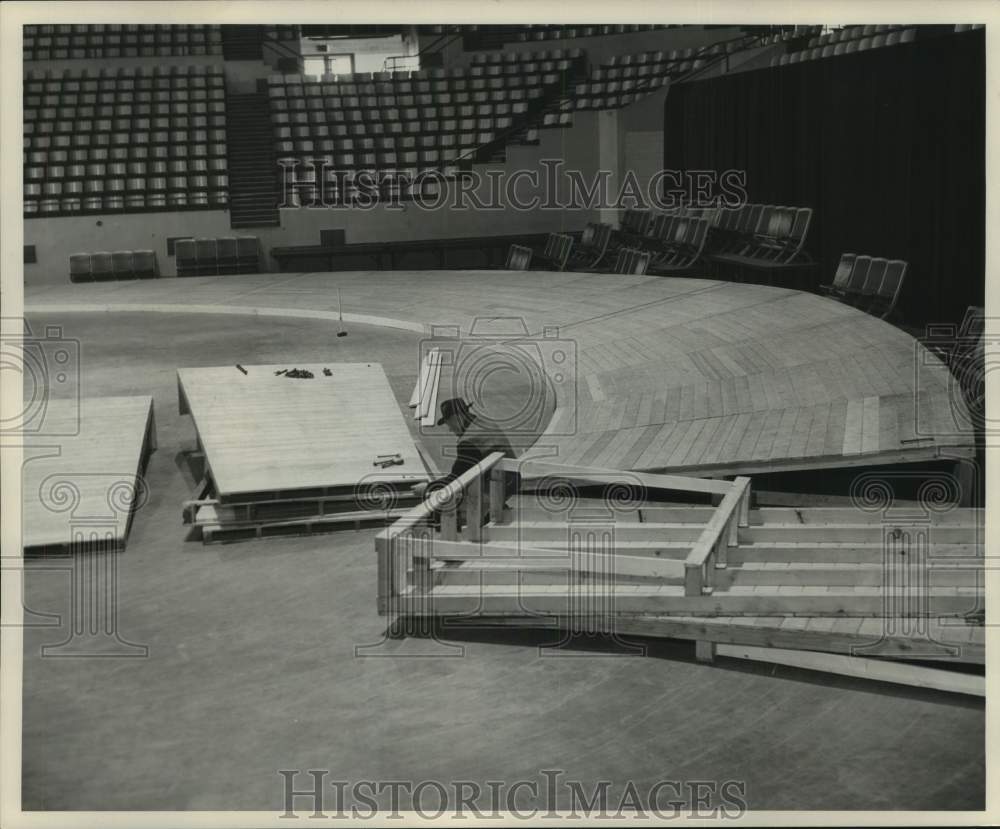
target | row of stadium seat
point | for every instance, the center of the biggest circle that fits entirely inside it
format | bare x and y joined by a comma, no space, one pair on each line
572,32
508,57
211,257
74,42
851,33
209,72
69,200
122,264
132,203
846,47
540,75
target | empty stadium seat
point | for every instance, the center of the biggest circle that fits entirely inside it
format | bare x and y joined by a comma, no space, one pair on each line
518,258
185,257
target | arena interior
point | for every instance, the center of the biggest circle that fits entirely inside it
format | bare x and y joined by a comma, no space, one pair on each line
721,287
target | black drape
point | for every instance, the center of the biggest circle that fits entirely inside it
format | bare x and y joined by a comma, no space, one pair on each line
887,146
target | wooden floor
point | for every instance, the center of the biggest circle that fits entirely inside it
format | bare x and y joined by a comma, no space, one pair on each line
697,375
263,432
80,481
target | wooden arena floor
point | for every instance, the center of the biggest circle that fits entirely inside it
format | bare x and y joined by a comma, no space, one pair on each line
697,375
252,663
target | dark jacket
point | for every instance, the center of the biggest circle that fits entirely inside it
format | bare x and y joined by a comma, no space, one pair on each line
475,444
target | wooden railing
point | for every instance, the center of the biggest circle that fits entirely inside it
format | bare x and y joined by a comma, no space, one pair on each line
407,547
720,533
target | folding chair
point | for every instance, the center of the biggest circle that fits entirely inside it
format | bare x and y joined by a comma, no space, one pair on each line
248,254
863,297
840,276
883,304
859,272
144,264
79,267
121,264
557,250
206,255
101,266
187,261
592,247
228,254
518,258
631,261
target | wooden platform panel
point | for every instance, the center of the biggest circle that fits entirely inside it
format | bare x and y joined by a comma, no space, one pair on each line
263,432
83,482
695,376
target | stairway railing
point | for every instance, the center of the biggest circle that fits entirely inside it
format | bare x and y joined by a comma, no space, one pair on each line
409,546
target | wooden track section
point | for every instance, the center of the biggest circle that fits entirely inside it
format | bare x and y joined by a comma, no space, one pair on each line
267,433
692,375
82,480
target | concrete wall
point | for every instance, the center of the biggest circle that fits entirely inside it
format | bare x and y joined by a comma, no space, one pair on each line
56,238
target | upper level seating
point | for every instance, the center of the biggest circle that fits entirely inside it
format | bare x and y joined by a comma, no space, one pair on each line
79,41
568,32
127,139
626,78
408,120
847,41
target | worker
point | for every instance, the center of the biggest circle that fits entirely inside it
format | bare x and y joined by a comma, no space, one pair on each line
477,440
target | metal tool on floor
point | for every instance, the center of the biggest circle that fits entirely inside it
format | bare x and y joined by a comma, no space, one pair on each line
385,461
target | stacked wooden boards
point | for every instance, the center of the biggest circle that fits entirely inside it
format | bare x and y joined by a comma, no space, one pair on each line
82,479
291,455
424,399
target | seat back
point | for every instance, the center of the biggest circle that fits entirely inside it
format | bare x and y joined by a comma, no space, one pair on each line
844,268
248,251
100,265
121,263
228,252
858,274
631,261
557,249
518,258
184,254
892,280
144,263
79,267
750,218
602,236
874,277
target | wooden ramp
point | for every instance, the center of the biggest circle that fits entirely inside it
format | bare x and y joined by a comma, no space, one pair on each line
289,450
82,483
838,581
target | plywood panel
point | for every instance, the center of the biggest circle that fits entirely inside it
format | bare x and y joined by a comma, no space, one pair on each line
81,476
262,431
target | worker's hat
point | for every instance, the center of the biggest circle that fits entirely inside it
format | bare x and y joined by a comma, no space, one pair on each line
451,407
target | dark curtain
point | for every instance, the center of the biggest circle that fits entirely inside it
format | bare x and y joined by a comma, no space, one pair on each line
887,146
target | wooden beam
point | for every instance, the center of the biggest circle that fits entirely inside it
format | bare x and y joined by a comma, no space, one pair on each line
530,469
874,669
583,561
